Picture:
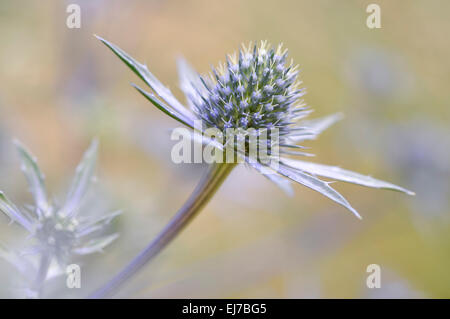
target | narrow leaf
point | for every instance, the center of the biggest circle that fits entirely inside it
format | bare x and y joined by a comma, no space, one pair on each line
315,127
340,174
281,182
190,82
163,107
273,176
34,177
296,153
321,124
142,71
8,208
95,245
315,184
90,225
83,177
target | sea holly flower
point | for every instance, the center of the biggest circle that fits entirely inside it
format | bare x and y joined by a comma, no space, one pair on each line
255,90
56,232
260,80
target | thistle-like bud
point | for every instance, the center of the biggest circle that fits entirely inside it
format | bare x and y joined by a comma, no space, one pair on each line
252,90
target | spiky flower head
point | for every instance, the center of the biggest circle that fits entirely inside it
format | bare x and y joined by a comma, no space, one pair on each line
256,88
56,232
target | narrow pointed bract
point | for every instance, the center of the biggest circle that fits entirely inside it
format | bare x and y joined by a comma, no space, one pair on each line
34,177
84,175
11,210
160,90
344,175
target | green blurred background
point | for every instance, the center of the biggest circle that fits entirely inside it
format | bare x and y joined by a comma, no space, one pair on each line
60,87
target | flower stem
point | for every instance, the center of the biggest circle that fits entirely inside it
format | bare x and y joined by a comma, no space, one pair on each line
204,191
41,275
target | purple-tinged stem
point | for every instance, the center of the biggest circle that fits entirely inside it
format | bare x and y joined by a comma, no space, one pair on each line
204,191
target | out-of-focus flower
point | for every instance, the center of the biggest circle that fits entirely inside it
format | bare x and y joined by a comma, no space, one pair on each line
56,232
256,89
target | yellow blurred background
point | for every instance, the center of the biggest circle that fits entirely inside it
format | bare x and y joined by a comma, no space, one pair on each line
60,87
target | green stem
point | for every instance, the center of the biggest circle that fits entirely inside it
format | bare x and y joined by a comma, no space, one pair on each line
204,191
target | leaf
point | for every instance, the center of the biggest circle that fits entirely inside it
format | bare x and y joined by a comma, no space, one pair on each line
142,71
315,184
82,180
321,124
163,107
34,177
272,176
315,127
296,153
190,82
204,139
95,245
281,182
340,174
8,208
90,225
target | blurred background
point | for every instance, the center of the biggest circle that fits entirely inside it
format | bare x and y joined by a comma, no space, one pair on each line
60,87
